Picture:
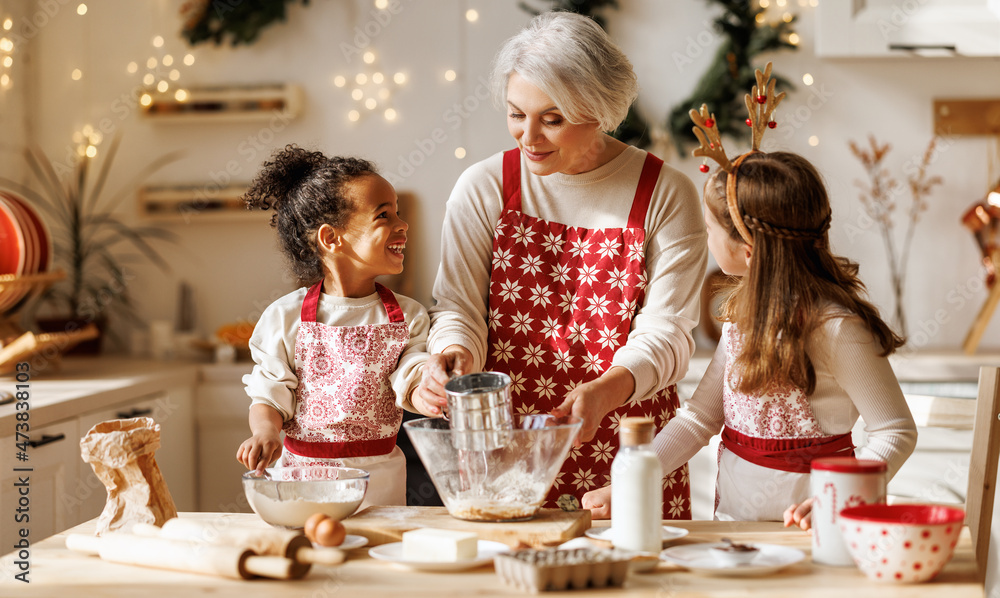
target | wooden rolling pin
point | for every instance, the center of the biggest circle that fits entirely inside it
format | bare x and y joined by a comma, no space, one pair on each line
190,557
268,541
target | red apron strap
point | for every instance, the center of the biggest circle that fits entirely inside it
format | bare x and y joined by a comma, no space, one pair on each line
341,450
391,304
512,180
644,191
310,305
786,454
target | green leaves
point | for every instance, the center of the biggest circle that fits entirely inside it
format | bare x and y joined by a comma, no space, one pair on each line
239,21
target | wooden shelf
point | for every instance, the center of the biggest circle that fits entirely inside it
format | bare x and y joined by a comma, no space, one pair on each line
230,103
196,203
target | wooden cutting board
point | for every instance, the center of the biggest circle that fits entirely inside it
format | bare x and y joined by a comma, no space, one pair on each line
382,525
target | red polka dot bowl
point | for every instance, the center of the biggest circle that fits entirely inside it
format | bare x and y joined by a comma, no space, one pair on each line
902,543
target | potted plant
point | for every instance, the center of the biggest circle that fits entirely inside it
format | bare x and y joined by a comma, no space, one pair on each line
91,242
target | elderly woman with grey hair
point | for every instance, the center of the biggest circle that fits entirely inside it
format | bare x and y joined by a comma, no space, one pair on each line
572,263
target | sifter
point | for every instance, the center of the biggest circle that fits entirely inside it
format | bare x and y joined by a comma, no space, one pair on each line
479,410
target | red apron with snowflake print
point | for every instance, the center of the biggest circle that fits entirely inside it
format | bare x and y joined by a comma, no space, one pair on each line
345,408
561,303
771,438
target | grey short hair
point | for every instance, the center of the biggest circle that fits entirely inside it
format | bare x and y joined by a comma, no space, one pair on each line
570,58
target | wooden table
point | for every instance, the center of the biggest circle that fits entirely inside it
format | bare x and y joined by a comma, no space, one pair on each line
56,571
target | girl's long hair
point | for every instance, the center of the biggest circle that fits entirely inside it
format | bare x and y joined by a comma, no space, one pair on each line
793,276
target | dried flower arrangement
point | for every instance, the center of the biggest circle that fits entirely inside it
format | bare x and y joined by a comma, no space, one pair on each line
879,198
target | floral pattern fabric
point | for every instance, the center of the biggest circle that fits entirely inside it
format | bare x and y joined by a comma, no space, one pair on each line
781,412
344,393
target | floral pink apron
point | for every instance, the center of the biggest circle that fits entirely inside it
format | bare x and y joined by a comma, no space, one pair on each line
776,430
344,405
561,304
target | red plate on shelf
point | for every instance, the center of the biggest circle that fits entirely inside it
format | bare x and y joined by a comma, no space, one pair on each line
33,221
13,251
11,241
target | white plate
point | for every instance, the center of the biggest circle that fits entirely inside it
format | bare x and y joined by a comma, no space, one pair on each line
697,558
394,554
350,542
604,533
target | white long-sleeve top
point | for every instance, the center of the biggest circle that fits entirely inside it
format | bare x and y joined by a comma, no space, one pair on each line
273,379
852,379
660,343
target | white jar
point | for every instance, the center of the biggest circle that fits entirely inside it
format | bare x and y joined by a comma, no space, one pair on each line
838,483
637,491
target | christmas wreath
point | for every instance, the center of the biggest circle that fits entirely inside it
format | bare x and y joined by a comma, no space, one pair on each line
240,20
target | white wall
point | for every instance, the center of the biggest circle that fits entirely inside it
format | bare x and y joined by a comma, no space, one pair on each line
234,267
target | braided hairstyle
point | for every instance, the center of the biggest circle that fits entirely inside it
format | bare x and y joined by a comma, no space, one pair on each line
306,190
793,275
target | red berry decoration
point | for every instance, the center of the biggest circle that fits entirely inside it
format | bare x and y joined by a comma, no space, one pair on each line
761,99
749,123
709,122
772,124
703,168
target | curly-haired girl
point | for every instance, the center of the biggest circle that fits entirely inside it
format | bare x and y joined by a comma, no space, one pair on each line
337,358
802,355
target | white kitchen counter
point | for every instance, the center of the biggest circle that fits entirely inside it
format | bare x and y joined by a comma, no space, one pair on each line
85,384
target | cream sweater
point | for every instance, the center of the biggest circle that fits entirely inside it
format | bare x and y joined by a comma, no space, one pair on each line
852,379
660,342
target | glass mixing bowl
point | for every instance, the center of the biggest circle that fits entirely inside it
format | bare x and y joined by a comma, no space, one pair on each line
287,496
503,484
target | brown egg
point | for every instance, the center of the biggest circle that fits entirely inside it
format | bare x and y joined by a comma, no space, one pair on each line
311,524
330,532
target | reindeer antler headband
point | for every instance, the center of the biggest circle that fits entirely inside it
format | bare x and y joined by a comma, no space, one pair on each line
760,105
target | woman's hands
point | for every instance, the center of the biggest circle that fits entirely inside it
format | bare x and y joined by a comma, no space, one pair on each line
429,398
593,400
599,503
800,514
258,451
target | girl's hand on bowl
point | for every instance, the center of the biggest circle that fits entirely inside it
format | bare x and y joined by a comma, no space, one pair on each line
800,515
258,451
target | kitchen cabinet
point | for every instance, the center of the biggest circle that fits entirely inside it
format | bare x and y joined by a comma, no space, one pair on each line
52,459
63,490
172,410
221,423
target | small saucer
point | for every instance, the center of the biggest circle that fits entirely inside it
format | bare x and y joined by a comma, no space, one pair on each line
698,558
605,533
394,554
350,542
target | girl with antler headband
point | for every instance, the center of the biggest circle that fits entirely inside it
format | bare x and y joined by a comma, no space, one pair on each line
802,355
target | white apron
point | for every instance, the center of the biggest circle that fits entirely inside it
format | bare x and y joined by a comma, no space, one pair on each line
345,408
767,444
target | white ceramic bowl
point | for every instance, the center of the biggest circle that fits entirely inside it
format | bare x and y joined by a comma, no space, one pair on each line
287,496
901,543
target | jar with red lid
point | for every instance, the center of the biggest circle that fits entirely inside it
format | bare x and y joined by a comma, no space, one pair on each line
838,483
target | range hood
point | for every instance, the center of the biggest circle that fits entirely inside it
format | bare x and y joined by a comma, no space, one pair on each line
908,28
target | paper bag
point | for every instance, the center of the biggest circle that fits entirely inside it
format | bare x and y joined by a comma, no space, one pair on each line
121,453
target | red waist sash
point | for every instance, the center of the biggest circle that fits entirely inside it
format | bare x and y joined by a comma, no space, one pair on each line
786,454
341,450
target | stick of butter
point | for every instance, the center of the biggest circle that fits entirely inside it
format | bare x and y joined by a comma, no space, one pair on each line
439,545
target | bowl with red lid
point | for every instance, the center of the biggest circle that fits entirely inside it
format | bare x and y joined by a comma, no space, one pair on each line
903,543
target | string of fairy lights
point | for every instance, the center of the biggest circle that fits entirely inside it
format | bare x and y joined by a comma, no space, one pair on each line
6,53
371,86
782,6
